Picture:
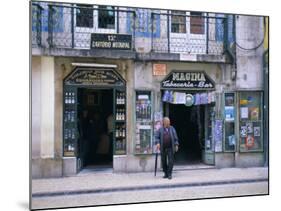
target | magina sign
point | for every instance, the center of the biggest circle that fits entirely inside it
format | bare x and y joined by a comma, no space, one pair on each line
186,80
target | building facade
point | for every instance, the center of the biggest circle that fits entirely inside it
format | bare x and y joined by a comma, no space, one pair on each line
103,77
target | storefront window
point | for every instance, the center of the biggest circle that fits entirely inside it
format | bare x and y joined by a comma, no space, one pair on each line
70,132
250,121
197,23
84,16
143,107
120,122
178,24
106,17
229,122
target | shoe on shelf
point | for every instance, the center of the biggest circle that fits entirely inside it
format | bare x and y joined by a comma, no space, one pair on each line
165,176
170,177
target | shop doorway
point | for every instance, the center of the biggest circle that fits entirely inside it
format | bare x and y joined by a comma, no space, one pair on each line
189,124
95,126
94,117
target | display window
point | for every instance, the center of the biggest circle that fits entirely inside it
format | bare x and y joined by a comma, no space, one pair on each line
250,121
229,144
143,128
120,123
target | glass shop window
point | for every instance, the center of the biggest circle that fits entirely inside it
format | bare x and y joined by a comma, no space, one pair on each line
106,17
178,23
143,129
197,25
229,122
250,121
84,16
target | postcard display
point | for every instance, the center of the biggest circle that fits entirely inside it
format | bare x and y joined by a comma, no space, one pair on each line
250,118
144,124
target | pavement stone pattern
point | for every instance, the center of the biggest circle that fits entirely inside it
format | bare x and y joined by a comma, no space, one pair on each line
108,180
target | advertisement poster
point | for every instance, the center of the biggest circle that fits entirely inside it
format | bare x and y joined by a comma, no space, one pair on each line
218,135
249,126
244,113
250,141
243,102
257,131
229,113
254,113
157,120
231,140
179,98
243,131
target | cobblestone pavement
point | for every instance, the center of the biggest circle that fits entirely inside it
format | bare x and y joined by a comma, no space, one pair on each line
99,188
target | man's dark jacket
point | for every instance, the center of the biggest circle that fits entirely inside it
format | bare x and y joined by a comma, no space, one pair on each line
160,134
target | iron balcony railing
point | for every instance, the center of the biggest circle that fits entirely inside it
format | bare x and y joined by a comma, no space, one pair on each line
163,31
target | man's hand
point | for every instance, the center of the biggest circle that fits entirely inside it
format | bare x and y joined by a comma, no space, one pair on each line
176,148
158,146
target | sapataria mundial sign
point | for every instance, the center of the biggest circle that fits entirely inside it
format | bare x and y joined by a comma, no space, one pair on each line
188,80
111,41
94,77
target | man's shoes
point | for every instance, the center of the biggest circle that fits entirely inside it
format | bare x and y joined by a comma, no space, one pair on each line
165,176
170,177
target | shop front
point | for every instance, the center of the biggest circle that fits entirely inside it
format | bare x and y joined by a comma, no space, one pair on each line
94,126
188,99
110,123
217,124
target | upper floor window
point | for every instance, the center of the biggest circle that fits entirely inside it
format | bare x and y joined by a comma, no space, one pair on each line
178,22
84,16
106,17
197,23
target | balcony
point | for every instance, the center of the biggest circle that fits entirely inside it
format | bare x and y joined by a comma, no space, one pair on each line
66,28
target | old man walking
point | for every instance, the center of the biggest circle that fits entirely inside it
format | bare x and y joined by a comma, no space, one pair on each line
166,140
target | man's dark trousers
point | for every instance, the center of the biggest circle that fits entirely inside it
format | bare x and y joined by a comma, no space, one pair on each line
167,158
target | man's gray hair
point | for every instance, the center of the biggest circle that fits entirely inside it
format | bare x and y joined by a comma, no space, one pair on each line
166,118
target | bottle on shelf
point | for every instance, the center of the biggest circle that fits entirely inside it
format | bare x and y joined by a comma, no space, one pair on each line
65,116
123,144
122,114
123,98
117,99
66,98
72,116
117,114
65,133
123,131
116,132
73,98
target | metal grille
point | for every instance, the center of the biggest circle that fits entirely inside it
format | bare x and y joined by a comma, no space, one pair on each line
164,31
71,26
36,12
204,35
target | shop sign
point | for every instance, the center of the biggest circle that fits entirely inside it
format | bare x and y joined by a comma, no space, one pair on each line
159,69
188,57
183,80
111,41
94,77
